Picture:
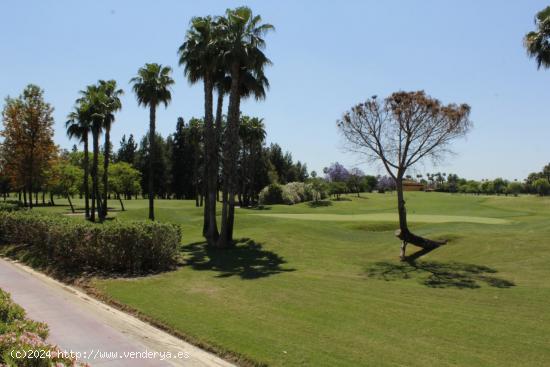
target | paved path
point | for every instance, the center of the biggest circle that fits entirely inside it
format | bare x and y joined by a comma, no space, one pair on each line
80,323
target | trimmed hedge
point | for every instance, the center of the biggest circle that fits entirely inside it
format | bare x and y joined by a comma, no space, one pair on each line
71,244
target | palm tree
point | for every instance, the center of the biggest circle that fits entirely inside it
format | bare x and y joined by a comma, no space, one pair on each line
78,126
152,87
242,53
95,100
113,104
537,42
200,56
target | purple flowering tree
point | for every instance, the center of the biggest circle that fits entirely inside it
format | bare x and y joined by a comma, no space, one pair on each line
336,173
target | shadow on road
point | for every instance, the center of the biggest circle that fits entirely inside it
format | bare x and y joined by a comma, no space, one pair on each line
247,259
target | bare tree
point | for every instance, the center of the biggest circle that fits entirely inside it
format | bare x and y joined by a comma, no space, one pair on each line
399,131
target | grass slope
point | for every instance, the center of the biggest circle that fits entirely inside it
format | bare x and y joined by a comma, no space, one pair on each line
332,293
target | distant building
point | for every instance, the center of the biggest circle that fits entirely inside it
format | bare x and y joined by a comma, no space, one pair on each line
413,186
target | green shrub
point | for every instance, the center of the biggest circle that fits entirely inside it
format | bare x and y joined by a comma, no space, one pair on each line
9,311
271,194
19,335
71,244
291,193
542,186
10,206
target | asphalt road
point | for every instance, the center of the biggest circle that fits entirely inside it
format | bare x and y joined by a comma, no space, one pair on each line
102,335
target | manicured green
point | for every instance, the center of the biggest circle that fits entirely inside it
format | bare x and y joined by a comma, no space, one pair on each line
387,217
333,293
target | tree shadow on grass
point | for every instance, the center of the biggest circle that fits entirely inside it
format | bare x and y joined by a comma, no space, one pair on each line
342,199
319,203
436,274
247,259
257,207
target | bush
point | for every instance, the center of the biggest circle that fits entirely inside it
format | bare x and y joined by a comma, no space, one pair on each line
272,194
337,189
542,186
18,333
291,193
514,188
10,206
71,244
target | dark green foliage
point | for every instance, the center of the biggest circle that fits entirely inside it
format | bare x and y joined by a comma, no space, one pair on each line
337,188
186,158
127,151
537,42
161,166
272,194
10,206
72,245
287,170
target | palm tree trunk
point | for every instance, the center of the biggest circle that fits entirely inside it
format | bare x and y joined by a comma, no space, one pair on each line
231,146
95,137
86,176
152,118
210,164
105,172
219,131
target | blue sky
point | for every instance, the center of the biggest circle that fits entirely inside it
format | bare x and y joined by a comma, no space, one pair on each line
327,56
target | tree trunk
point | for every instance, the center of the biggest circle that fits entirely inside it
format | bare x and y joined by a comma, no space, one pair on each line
86,176
105,172
70,203
152,117
219,131
403,232
210,228
95,198
121,203
231,146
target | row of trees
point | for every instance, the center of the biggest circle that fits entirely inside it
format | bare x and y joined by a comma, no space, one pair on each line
27,148
178,165
225,54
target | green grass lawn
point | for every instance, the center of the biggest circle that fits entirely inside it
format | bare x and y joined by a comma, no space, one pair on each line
321,285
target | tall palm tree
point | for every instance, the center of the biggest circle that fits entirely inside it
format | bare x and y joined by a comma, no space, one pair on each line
200,56
152,87
243,46
113,104
78,126
95,99
537,42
